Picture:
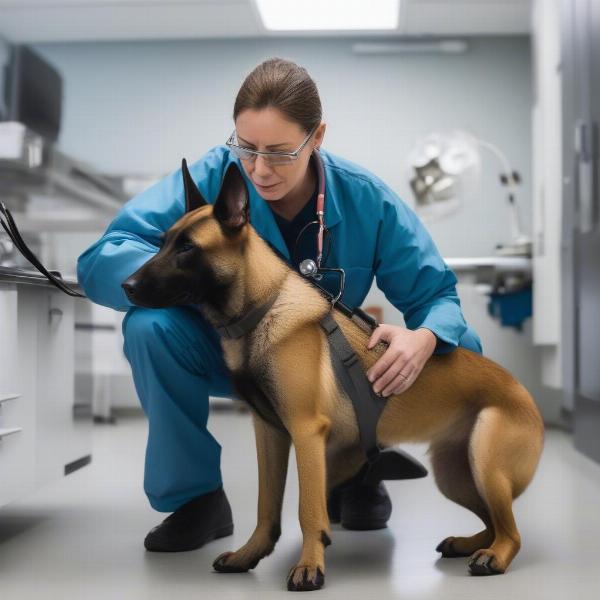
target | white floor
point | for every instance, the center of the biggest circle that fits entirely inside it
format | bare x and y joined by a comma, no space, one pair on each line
82,537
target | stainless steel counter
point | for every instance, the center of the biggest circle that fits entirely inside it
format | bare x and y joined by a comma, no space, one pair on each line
31,277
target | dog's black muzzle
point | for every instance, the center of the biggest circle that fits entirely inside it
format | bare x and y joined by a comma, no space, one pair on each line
145,289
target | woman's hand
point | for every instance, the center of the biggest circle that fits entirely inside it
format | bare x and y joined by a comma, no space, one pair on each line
400,365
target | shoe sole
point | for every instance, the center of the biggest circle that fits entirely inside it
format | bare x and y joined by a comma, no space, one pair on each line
213,535
364,525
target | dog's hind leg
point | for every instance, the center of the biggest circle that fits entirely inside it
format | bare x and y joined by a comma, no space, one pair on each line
272,449
452,472
503,452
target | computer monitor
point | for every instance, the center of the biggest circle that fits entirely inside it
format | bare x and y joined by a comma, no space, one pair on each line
33,92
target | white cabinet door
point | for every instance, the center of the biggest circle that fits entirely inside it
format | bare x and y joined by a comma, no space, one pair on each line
48,317
16,408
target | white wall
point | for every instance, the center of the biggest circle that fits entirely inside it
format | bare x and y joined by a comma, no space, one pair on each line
141,107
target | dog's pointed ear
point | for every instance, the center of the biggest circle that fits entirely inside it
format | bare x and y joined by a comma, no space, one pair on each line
193,198
231,207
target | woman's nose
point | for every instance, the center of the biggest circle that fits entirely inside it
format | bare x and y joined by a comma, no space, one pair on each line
261,167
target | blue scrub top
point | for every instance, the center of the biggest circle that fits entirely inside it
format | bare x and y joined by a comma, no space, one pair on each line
374,235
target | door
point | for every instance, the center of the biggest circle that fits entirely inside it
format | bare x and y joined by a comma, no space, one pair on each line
586,50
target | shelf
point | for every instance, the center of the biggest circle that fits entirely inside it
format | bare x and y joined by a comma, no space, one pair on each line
32,165
9,431
5,397
518,264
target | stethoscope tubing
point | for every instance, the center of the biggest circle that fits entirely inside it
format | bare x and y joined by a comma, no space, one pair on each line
320,205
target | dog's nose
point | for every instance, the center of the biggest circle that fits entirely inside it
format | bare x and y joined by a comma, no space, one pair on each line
130,286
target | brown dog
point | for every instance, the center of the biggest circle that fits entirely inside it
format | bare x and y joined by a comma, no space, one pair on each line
484,430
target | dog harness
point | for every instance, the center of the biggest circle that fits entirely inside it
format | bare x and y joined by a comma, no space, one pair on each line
368,406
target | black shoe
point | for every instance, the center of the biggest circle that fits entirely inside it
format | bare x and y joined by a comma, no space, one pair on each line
360,506
198,521
362,502
365,506
334,506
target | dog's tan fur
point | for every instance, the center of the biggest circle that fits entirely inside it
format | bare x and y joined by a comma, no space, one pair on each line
484,430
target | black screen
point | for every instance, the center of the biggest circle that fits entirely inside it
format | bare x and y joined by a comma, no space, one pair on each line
33,92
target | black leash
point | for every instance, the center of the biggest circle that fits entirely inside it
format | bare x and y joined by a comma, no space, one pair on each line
9,225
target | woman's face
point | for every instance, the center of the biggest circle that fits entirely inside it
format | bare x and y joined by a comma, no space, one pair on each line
267,130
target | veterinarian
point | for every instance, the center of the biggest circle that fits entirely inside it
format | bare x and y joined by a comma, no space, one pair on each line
175,355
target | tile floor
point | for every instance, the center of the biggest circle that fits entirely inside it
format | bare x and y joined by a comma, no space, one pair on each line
81,537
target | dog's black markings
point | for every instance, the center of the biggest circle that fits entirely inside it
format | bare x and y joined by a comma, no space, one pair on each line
306,585
325,539
246,385
275,533
193,197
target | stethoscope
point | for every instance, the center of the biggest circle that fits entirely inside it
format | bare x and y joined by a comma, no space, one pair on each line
312,268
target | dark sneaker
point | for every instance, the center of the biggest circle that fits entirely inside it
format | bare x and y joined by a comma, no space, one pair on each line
365,506
362,502
193,524
334,506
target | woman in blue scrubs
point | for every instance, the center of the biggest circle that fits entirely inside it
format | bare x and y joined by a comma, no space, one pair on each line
175,355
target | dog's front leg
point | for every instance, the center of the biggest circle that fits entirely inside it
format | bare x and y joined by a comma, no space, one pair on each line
272,449
309,442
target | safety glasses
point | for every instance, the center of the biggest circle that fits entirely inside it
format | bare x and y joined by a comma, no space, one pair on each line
271,158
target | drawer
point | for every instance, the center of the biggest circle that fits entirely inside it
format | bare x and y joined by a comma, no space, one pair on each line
7,397
6,431
16,464
10,340
16,449
5,428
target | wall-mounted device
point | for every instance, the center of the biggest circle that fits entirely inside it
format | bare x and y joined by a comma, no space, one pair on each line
33,92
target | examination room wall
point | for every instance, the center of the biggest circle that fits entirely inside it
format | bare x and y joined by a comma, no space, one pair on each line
140,107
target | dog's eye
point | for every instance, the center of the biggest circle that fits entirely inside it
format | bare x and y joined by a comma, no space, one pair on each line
185,248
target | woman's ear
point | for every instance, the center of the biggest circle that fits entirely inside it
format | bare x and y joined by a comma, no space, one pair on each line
231,206
193,198
319,135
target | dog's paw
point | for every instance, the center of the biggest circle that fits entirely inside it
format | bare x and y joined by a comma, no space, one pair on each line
446,547
305,578
231,562
485,562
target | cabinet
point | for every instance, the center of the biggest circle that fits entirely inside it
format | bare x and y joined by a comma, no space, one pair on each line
16,423
40,438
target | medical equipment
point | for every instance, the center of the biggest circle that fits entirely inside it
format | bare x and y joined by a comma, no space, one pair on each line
444,164
309,267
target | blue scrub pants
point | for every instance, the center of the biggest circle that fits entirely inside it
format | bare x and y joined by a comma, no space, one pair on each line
177,362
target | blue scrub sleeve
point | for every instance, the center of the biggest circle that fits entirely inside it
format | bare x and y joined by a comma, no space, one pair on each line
411,273
133,237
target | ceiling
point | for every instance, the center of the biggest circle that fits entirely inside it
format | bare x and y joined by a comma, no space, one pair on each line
111,20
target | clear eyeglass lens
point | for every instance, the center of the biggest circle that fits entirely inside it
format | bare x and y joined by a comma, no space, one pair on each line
274,159
278,160
243,154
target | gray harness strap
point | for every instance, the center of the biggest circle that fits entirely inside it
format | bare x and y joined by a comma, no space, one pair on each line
367,405
239,327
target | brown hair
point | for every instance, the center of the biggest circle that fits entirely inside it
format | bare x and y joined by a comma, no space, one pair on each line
284,85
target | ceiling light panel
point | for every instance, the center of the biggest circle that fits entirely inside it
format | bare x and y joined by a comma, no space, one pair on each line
328,15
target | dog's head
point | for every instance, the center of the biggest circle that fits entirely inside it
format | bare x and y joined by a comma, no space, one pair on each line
201,253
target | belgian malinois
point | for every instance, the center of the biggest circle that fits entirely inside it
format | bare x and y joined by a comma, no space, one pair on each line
483,427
